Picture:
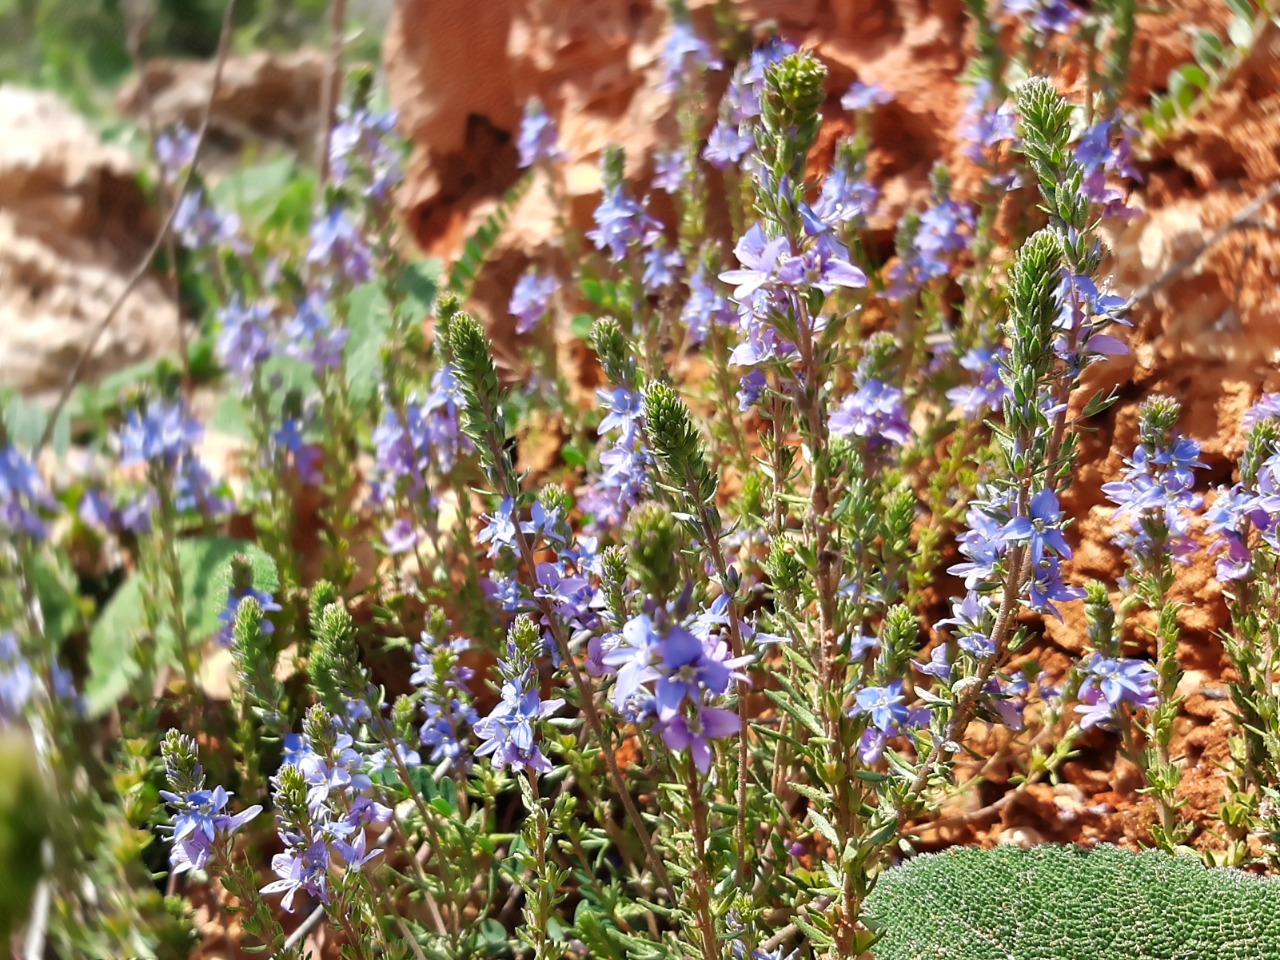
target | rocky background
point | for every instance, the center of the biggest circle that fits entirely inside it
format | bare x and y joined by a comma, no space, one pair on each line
1206,326
73,222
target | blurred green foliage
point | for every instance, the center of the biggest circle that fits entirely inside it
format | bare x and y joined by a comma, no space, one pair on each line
79,47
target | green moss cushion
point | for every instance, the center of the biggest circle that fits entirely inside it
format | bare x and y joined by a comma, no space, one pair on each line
1070,903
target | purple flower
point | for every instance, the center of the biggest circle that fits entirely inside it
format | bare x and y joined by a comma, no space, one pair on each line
1156,496
18,680
194,490
660,266
624,412
621,481
845,197
1040,529
684,664
531,299
311,336
175,152
1047,587
127,513
760,340
228,615
620,223
984,127
631,654
982,543
244,344
682,44
727,145
750,388
333,773
888,716
988,393
401,537
508,731
864,96
885,706
446,701
543,524
305,869
293,449
875,412
338,249
1267,407
362,148
1008,698
761,259
939,665
705,307
1085,311
732,138
862,645
944,227
694,732
742,99
383,759
942,230
161,433
538,140
824,266
200,227
571,595
199,824
501,528
1105,163
24,497
1109,684
687,665
972,619
670,168
1046,16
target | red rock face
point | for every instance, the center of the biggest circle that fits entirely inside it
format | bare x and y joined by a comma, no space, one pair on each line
460,74
1208,335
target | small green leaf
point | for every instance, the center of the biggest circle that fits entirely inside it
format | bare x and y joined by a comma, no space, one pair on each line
26,422
204,568
581,326
1244,9
256,191
369,323
1240,32
791,705
58,600
1208,49
825,827
1186,84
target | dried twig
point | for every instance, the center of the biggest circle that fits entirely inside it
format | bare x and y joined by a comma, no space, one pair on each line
73,378
304,928
1242,220
134,34
329,94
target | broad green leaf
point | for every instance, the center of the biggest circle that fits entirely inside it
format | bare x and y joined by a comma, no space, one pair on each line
1185,85
1208,49
256,191
25,422
205,569
59,603
369,322
1240,32
231,415
1244,9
